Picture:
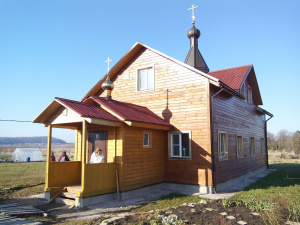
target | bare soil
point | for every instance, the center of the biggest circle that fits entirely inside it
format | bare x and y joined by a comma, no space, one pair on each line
192,213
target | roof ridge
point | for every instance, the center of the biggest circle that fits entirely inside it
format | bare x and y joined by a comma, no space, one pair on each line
113,100
231,68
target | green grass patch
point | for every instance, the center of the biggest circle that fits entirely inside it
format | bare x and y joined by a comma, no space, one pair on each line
281,187
21,179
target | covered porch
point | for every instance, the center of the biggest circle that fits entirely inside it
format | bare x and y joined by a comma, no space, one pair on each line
90,133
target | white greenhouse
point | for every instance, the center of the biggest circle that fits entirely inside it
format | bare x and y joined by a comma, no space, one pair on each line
27,155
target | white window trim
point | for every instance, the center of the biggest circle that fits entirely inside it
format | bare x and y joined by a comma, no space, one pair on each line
149,139
263,146
252,153
223,157
242,147
180,144
137,78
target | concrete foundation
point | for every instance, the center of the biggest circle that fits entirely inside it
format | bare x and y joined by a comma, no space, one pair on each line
231,185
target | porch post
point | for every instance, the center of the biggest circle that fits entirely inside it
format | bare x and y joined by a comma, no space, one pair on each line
48,156
83,157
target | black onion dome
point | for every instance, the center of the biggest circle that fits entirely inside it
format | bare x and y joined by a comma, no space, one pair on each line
194,32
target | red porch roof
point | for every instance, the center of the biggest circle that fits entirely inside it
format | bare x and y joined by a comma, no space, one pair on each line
87,110
130,112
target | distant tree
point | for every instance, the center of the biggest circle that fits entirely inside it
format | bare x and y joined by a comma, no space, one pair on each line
282,137
272,145
296,142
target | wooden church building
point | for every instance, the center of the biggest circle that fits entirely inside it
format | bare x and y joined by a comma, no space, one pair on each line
160,123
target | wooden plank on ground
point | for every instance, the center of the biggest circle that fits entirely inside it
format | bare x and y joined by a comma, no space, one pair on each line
9,220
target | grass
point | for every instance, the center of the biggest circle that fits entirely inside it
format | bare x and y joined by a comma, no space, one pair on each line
276,195
18,180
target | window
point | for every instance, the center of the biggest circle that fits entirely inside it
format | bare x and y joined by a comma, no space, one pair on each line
146,139
242,90
263,146
145,79
250,100
252,146
181,144
222,145
239,146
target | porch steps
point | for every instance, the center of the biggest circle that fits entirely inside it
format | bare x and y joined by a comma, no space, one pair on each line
67,197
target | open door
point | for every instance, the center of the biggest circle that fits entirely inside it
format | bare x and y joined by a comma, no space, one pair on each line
97,139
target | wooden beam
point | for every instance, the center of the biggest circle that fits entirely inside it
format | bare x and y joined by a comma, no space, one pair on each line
83,158
103,122
147,125
48,156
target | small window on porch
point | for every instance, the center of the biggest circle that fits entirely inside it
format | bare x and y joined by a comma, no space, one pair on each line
147,139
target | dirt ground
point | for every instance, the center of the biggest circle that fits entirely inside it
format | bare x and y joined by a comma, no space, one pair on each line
196,213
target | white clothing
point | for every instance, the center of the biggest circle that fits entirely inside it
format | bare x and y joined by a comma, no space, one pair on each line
97,158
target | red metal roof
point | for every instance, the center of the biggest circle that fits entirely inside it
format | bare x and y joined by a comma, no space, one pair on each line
87,110
130,112
233,77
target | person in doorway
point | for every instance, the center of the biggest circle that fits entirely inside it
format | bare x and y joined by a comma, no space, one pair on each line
97,156
63,157
52,159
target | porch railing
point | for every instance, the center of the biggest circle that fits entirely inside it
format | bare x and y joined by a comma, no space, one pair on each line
63,174
98,179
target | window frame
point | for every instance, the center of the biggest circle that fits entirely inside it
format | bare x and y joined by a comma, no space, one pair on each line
149,133
172,156
252,146
250,95
242,90
239,152
263,146
225,155
138,89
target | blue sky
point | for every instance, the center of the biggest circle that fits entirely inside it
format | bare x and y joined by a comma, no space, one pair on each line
57,48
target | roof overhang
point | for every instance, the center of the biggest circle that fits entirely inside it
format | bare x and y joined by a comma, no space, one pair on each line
264,111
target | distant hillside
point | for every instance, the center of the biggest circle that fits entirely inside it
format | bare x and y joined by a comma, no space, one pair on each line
29,140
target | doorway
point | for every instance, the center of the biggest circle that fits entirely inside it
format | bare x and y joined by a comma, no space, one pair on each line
97,139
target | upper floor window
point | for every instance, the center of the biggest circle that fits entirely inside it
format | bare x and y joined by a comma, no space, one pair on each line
252,146
181,144
250,100
242,90
239,146
222,145
145,79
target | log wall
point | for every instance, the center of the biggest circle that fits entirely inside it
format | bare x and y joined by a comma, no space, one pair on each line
185,105
237,117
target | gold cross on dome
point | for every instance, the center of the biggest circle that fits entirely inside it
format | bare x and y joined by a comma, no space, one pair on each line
193,15
108,60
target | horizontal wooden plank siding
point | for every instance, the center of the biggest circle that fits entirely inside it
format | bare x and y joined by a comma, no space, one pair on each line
143,166
185,106
236,117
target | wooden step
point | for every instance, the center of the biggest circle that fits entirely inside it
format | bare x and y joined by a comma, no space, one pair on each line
65,201
68,195
74,189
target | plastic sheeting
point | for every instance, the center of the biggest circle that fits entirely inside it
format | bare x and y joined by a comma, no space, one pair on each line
27,155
